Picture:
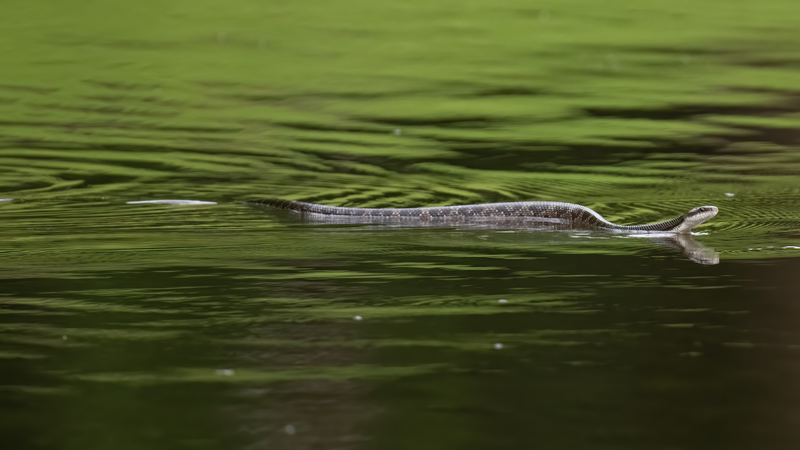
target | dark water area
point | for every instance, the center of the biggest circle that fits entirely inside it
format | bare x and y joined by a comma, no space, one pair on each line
222,325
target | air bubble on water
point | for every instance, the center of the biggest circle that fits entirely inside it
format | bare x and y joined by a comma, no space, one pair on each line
498,346
502,300
225,372
729,194
289,429
358,317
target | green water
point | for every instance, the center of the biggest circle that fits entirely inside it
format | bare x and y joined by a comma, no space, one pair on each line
227,326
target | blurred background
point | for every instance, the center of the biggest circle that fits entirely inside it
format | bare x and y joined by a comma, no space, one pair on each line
222,325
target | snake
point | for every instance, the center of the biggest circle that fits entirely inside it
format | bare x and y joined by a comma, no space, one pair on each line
565,215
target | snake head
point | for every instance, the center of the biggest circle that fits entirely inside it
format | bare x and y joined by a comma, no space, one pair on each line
695,217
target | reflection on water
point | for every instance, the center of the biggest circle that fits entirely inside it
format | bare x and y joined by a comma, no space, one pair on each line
130,321
692,249
242,324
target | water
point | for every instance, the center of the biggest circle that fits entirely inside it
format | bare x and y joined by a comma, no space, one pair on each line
226,326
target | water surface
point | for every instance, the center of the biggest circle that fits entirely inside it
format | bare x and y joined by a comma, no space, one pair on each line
227,326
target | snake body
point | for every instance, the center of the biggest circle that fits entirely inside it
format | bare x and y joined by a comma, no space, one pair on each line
566,215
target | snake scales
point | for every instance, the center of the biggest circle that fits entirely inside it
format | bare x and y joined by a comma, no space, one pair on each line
565,214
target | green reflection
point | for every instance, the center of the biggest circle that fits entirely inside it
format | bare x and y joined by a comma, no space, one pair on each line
119,322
